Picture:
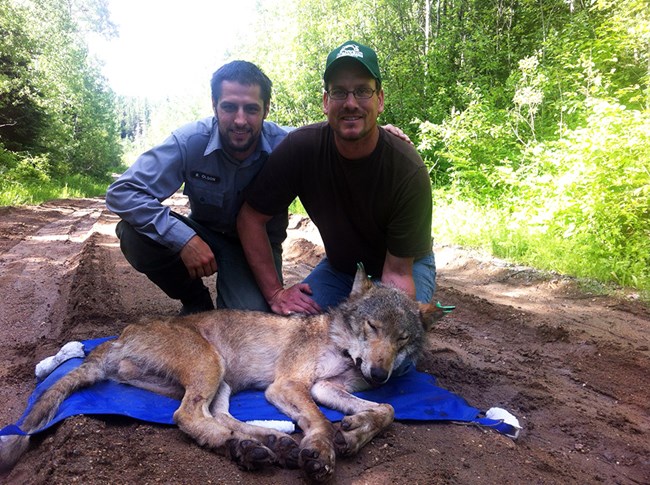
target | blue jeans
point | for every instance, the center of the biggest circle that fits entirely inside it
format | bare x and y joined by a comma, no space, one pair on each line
330,286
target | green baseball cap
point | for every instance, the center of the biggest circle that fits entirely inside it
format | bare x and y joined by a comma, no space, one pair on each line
353,50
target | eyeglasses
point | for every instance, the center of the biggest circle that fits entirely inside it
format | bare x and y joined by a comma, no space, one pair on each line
359,93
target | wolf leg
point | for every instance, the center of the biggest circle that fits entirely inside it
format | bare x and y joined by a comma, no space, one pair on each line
364,420
166,357
317,455
283,445
221,431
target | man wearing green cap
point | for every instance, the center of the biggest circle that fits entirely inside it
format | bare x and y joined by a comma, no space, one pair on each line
368,193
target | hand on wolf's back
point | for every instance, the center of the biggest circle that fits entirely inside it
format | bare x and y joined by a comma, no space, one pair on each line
198,258
294,299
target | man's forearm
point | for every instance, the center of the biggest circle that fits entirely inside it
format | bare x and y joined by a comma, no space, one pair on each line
398,272
402,282
251,226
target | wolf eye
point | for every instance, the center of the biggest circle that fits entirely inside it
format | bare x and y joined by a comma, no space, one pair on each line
403,339
371,326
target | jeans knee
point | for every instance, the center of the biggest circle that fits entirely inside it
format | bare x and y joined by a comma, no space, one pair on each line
424,277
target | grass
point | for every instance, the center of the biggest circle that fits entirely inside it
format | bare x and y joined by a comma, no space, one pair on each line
489,228
36,192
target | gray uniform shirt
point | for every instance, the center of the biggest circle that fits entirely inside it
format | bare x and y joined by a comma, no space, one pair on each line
213,181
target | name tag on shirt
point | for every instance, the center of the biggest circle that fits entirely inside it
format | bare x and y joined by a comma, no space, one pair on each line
206,176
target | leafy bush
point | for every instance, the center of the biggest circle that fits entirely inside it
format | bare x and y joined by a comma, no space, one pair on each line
579,205
469,148
30,169
590,193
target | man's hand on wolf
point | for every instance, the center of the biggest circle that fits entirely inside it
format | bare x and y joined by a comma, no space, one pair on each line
198,258
294,299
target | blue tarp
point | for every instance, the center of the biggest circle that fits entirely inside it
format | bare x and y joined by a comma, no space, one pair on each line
414,395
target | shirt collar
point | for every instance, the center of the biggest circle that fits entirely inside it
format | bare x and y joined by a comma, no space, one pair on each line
214,143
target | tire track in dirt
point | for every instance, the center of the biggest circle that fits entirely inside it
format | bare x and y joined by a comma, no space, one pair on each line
34,270
35,273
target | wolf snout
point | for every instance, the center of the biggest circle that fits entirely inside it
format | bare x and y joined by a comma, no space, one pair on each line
378,375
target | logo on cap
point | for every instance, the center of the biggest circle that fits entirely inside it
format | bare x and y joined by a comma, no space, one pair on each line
353,50
350,50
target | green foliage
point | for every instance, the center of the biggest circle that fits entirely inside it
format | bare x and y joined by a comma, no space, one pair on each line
22,117
296,207
590,192
25,179
147,122
622,49
31,169
55,104
559,177
470,148
25,192
578,205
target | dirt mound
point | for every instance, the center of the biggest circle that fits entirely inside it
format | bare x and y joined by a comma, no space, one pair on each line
572,366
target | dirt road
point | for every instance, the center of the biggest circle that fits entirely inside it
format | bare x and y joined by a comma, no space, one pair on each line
573,367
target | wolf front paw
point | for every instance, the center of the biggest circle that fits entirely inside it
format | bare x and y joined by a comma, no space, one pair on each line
356,431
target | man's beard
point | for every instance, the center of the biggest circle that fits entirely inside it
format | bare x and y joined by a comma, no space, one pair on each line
235,148
354,136
239,148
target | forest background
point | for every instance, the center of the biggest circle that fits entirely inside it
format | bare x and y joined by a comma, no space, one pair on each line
532,116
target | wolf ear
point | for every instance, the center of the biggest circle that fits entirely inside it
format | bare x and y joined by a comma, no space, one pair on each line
429,315
361,281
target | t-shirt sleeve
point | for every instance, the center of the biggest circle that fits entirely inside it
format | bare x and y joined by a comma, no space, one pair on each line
409,230
274,187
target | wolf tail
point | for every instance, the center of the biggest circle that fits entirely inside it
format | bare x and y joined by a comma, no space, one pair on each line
43,411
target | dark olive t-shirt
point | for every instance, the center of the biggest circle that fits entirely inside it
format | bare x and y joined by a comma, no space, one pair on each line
361,207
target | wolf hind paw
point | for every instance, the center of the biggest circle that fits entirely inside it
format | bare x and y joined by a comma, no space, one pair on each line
285,449
249,454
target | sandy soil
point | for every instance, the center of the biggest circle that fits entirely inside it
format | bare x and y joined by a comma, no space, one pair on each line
572,366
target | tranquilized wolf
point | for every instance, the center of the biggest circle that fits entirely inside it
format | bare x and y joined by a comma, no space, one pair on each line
300,360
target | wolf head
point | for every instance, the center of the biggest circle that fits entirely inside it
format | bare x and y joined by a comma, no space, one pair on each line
381,327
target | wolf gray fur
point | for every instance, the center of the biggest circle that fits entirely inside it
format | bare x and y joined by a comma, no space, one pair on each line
299,361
